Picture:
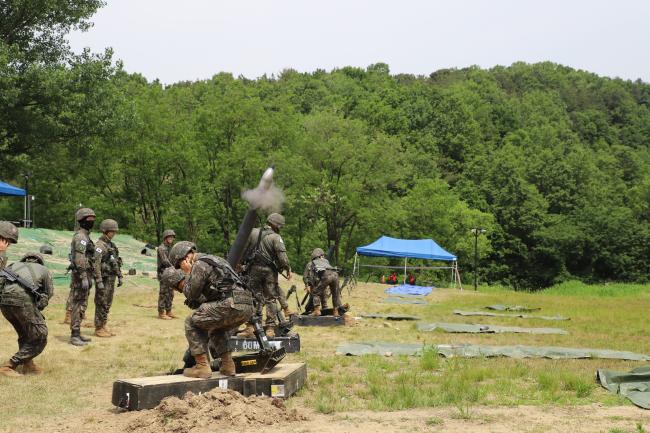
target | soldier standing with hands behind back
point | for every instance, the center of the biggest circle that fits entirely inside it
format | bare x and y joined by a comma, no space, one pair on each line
82,255
108,266
166,293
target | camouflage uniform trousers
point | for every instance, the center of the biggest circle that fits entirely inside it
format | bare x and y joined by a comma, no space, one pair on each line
79,301
327,280
165,298
211,324
30,326
264,283
104,300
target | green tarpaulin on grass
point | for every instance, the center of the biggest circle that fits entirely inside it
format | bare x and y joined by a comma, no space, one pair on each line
379,348
476,351
634,385
487,329
389,316
550,352
519,316
404,301
499,307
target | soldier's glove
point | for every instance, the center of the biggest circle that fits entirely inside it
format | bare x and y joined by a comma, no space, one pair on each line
307,289
99,285
42,302
192,303
85,283
119,281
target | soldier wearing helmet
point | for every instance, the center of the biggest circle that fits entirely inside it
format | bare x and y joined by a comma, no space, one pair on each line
8,236
321,278
108,264
82,258
165,294
267,256
22,309
220,302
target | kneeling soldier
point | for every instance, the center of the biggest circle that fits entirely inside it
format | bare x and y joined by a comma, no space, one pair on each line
108,266
220,301
21,303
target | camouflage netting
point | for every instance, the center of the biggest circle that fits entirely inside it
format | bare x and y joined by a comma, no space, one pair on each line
59,241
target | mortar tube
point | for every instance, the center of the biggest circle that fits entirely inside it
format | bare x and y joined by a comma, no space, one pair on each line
237,249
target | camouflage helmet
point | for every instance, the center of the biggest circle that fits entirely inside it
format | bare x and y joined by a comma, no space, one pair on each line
34,257
179,251
171,277
9,231
276,219
108,225
84,212
317,253
168,233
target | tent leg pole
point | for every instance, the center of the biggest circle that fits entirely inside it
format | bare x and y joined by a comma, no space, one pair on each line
405,259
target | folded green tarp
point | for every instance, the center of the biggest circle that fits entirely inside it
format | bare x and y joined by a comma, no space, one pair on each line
389,316
519,352
379,348
405,301
474,351
520,316
487,329
499,307
634,385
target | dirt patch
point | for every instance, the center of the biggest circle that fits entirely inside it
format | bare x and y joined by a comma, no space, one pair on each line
213,411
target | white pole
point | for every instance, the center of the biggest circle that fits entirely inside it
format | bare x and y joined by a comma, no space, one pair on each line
405,259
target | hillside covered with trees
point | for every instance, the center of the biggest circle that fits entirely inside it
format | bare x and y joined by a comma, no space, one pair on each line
553,162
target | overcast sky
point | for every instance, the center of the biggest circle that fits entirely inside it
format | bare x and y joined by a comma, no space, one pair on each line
194,39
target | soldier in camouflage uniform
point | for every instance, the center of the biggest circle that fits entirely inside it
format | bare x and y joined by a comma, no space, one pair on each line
166,294
108,265
23,310
8,236
267,256
82,256
323,276
311,280
220,301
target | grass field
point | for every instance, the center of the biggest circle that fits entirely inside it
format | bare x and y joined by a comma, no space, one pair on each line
79,379
77,383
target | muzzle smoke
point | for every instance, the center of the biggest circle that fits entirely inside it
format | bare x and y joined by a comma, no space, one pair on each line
266,196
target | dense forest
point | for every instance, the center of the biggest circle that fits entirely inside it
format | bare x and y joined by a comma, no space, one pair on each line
553,162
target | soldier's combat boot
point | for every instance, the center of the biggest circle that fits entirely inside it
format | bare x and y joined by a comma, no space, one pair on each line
30,368
102,332
335,312
287,312
8,369
171,315
163,316
76,340
86,339
68,317
316,311
113,334
227,365
270,332
248,332
201,369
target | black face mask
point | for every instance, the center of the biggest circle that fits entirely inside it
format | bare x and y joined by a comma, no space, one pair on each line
86,224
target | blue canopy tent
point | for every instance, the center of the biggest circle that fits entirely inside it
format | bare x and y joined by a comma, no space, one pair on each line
6,189
426,249
14,191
